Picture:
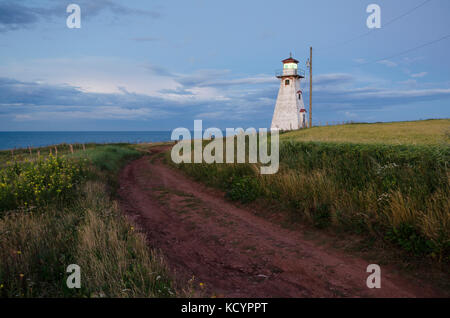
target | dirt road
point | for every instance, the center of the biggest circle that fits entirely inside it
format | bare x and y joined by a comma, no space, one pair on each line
235,253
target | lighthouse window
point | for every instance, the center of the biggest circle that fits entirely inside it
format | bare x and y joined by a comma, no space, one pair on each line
290,66
286,82
299,96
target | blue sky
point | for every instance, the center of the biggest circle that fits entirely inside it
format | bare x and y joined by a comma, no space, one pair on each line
158,65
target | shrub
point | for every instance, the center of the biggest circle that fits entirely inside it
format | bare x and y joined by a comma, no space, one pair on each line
322,216
243,189
410,239
39,183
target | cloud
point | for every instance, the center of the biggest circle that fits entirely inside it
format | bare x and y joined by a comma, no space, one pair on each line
376,98
118,9
217,82
201,77
33,97
32,101
410,60
409,83
333,79
14,16
388,63
215,95
97,113
159,70
418,75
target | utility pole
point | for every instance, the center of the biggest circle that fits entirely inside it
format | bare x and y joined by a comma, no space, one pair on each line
310,87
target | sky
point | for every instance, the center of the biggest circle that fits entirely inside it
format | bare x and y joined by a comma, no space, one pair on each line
160,64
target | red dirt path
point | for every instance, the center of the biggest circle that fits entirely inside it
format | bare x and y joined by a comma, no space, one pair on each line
234,252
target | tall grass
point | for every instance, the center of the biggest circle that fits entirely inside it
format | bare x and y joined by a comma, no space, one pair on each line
109,158
115,259
37,245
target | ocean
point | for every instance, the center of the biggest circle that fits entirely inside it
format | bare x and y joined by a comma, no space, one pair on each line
11,140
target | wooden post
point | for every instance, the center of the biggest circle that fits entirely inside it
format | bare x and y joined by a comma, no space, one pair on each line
71,148
310,87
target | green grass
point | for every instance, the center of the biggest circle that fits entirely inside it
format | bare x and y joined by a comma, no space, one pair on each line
427,132
38,242
109,158
39,182
398,194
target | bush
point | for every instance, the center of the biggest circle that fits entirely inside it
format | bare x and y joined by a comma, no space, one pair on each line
244,189
39,183
322,216
410,239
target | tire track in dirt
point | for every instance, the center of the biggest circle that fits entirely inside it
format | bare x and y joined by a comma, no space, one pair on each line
235,253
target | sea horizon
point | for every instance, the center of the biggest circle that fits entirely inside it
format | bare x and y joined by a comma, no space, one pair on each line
24,139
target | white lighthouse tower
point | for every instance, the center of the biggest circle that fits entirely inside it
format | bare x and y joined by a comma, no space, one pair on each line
290,112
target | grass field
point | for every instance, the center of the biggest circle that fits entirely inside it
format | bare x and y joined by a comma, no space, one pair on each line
59,210
386,182
427,132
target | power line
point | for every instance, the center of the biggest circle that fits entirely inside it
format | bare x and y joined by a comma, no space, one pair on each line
373,30
409,50
406,13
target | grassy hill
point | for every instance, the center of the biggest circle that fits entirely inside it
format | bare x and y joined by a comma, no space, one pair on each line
387,181
425,132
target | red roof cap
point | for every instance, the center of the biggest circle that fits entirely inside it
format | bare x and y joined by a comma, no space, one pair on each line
290,60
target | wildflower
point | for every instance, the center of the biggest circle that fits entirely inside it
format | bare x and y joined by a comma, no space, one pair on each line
202,285
1,286
21,275
132,228
19,252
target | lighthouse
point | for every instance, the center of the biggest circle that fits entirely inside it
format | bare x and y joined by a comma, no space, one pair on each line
290,112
